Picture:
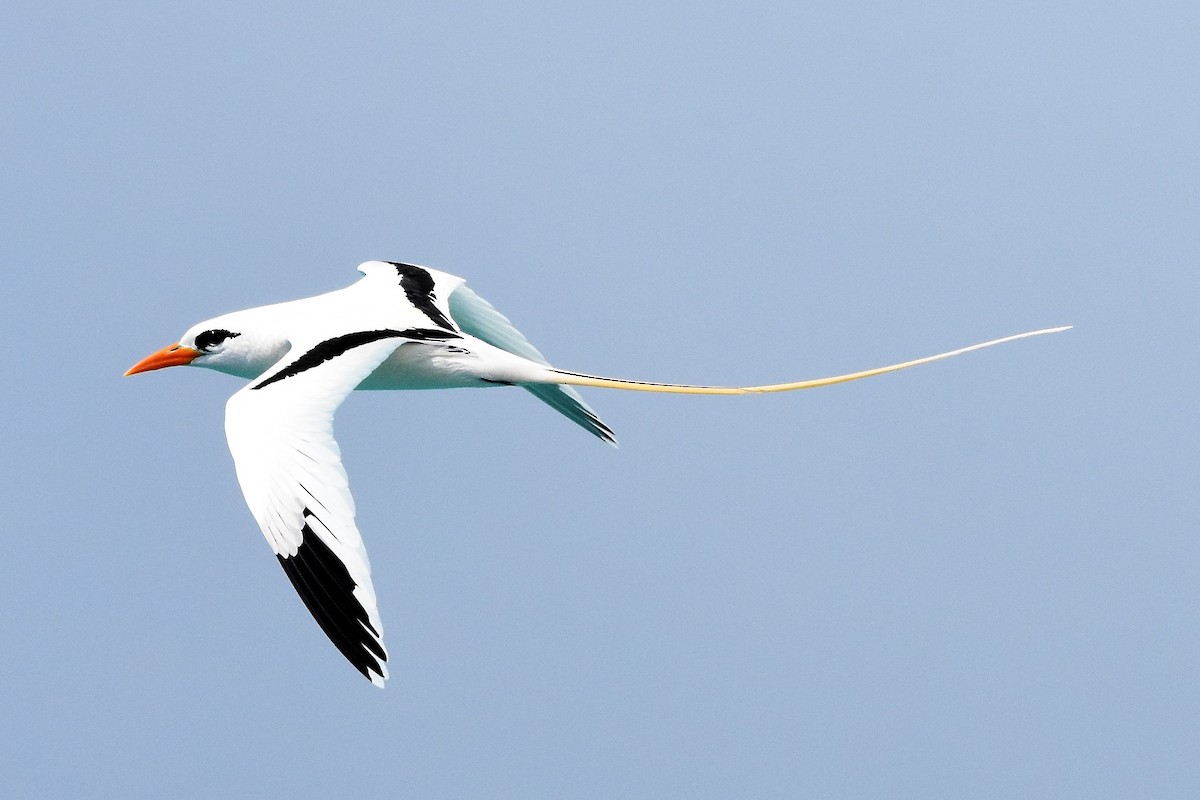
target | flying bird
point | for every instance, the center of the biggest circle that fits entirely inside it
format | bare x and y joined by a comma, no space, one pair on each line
401,326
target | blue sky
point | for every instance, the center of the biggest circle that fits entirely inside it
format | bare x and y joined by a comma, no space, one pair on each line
975,579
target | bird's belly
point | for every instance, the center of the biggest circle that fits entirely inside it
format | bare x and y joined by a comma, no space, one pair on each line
421,366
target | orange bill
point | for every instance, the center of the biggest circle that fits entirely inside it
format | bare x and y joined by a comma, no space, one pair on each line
175,355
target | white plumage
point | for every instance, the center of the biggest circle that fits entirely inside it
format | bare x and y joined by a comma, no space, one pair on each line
400,327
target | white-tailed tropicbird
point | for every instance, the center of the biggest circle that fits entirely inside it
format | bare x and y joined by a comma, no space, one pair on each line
400,327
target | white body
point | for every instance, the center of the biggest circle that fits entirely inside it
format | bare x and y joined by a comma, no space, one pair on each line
373,303
400,327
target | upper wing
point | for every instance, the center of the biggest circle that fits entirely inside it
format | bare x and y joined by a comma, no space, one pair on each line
480,319
280,431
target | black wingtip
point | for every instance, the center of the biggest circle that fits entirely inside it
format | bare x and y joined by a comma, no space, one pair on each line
327,589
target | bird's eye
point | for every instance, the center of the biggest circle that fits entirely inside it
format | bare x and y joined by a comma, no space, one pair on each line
207,340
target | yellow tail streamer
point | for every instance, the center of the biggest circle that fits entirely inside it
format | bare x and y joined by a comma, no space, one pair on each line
579,379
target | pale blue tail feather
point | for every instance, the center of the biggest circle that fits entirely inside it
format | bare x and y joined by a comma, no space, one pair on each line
479,318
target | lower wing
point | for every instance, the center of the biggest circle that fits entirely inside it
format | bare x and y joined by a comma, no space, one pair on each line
280,432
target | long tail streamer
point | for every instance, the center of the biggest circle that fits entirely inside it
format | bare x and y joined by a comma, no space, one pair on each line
580,379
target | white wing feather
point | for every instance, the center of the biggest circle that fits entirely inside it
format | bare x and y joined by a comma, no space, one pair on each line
280,432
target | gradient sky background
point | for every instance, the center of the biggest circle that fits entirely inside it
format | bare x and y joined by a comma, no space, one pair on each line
976,579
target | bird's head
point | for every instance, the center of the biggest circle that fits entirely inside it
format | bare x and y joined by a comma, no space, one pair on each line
239,344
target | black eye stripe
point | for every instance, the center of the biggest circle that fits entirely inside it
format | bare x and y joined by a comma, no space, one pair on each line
210,339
